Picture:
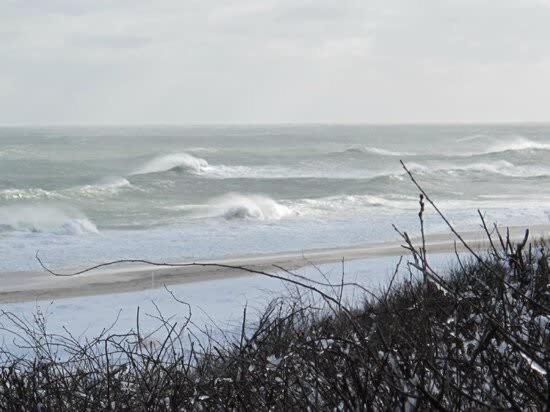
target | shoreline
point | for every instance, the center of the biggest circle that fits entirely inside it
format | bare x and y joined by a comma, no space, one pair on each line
126,278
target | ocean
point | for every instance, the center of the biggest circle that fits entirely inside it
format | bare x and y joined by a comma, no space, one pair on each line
84,195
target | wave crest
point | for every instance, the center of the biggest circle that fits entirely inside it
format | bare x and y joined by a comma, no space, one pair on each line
352,203
176,161
239,206
108,186
41,219
516,145
500,167
493,146
489,145
374,150
200,167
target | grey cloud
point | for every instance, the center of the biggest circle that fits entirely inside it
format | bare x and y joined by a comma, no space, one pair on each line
475,31
173,61
114,42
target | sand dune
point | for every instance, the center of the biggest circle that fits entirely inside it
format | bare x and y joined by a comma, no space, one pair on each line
40,285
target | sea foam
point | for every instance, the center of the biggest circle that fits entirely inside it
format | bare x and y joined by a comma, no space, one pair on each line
28,194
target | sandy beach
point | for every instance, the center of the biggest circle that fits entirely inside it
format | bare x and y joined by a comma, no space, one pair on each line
40,285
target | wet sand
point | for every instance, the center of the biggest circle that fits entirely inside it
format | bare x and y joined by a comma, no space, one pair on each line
41,285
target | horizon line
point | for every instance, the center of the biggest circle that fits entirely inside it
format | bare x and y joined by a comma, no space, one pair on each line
280,124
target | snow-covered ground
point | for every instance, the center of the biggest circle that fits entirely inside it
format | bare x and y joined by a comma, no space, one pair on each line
217,303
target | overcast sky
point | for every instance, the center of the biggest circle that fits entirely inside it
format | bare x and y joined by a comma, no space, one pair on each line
272,61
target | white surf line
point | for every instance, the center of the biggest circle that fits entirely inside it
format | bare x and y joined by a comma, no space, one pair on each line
40,285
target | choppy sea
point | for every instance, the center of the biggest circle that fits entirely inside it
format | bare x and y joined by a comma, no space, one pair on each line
84,195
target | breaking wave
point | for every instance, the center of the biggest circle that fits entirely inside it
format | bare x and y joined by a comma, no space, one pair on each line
498,146
374,150
518,144
239,206
108,186
176,161
488,146
198,166
352,203
235,206
105,187
500,167
45,219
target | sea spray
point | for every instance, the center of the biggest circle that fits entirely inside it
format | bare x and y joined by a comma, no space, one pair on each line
175,161
334,197
236,206
239,206
61,220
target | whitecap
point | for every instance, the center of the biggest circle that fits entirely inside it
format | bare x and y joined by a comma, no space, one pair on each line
517,144
498,146
254,207
239,206
375,150
500,167
28,194
62,220
200,167
108,186
351,203
175,161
